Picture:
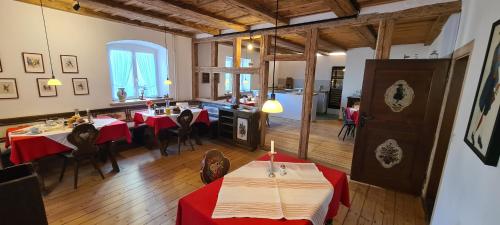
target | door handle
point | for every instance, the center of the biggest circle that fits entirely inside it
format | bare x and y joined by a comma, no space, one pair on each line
363,118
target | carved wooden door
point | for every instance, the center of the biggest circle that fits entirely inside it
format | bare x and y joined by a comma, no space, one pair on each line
399,111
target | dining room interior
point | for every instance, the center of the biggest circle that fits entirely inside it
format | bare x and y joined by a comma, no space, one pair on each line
193,112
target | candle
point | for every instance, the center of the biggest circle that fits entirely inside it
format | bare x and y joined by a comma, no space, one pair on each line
272,146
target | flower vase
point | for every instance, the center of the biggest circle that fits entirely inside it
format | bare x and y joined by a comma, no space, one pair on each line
121,94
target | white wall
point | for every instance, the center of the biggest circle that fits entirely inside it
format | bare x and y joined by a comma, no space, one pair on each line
469,190
85,37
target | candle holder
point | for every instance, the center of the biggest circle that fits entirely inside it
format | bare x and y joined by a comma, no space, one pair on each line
271,165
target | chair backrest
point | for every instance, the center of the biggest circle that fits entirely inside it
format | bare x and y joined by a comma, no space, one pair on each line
345,115
84,137
213,166
184,120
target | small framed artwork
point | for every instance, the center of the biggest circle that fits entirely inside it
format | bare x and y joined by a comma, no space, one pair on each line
33,62
80,86
205,78
483,128
8,88
69,64
242,129
45,90
1,69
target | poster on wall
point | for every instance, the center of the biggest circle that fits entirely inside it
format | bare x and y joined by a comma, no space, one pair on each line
8,88
45,90
33,62
80,86
483,129
69,64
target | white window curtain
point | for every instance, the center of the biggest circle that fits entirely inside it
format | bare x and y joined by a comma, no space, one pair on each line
146,73
121,71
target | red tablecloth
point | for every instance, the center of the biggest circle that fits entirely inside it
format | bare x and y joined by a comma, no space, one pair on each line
165,122
353,114
197,207
26,149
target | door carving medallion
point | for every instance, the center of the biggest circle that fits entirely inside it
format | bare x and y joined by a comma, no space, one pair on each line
399,95
389,153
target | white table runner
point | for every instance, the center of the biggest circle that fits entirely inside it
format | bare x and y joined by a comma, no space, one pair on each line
196,113
59,133
303,193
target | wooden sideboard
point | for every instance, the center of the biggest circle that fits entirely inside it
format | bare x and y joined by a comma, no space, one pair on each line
239,126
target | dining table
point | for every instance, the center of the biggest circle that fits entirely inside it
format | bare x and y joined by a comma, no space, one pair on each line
198,206
353,114
164,121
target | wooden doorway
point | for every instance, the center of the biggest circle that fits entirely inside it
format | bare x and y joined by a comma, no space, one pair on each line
458,70
400,107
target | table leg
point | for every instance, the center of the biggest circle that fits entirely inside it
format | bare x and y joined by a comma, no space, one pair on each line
108,148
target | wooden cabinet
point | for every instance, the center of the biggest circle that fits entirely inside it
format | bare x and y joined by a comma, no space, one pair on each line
240,127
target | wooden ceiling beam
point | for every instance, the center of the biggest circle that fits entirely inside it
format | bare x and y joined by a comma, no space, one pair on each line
152,15
367,34
197,13
436,28
366,19
254,9
67,6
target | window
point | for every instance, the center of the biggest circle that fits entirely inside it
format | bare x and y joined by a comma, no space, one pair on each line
245,79
137,65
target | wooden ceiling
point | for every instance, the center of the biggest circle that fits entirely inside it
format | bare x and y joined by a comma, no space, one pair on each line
190,17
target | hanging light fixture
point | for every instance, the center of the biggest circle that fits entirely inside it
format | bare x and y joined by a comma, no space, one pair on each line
167,81
272,105
52,81
250,44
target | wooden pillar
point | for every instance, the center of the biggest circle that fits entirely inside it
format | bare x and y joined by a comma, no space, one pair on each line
310,51
236,64
214,61
265,43
384,39
196,77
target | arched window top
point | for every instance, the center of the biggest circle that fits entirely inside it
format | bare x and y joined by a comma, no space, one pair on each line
137,43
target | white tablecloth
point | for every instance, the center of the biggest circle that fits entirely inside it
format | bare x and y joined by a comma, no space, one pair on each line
173,117
303,193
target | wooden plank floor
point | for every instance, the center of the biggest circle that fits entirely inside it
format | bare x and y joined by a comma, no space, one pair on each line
324,145
147,190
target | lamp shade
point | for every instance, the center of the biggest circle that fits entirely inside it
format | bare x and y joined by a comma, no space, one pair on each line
167,82
54,82
272,106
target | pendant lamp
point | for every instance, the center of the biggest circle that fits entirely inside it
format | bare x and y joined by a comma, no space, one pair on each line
272,105
53,81
167,81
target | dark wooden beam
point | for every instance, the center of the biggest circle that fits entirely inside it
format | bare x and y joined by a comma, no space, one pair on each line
138,12
305,123
436,29
196,77
286,57
384,40
265,43
255,9
236,64
214,61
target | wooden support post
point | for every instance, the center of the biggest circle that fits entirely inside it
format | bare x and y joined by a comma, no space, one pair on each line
310,52
384,39
196,78
214,58
236,64
265,43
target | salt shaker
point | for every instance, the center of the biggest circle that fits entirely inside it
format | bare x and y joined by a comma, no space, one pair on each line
282,170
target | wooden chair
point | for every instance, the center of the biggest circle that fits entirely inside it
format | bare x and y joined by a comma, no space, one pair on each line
83,137
347,123
213,166
183,132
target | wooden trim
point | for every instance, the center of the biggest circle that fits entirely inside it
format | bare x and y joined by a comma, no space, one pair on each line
311,49
465,50
286,57
360,20
214,61
254,9
384,40
236,64
265,43
241,70
195,82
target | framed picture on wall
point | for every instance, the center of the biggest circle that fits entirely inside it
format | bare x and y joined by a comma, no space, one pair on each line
33,62
483,128
8,88
80,86
205,78
242,129
69,64
45,90
1,69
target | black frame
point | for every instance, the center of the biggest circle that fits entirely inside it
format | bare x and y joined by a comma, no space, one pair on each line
15,84
62,66
493,151
86,81
1,68
205,78
24,62
38,86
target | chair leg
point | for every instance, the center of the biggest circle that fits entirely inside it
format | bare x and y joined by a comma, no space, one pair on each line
353,132
77,164
343,126
346,132
191,143
97,167
63,169
179,145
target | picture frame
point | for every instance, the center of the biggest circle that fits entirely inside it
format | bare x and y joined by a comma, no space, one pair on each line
242,129
8,88
1,68
483,125
80,86
69,64
33,62
205,78
45,90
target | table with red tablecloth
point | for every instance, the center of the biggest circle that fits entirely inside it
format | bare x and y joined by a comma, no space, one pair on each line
159,122
197,207
353,114
30,148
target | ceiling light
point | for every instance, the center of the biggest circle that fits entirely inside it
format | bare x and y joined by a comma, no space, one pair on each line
337,53
250,46
167,82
